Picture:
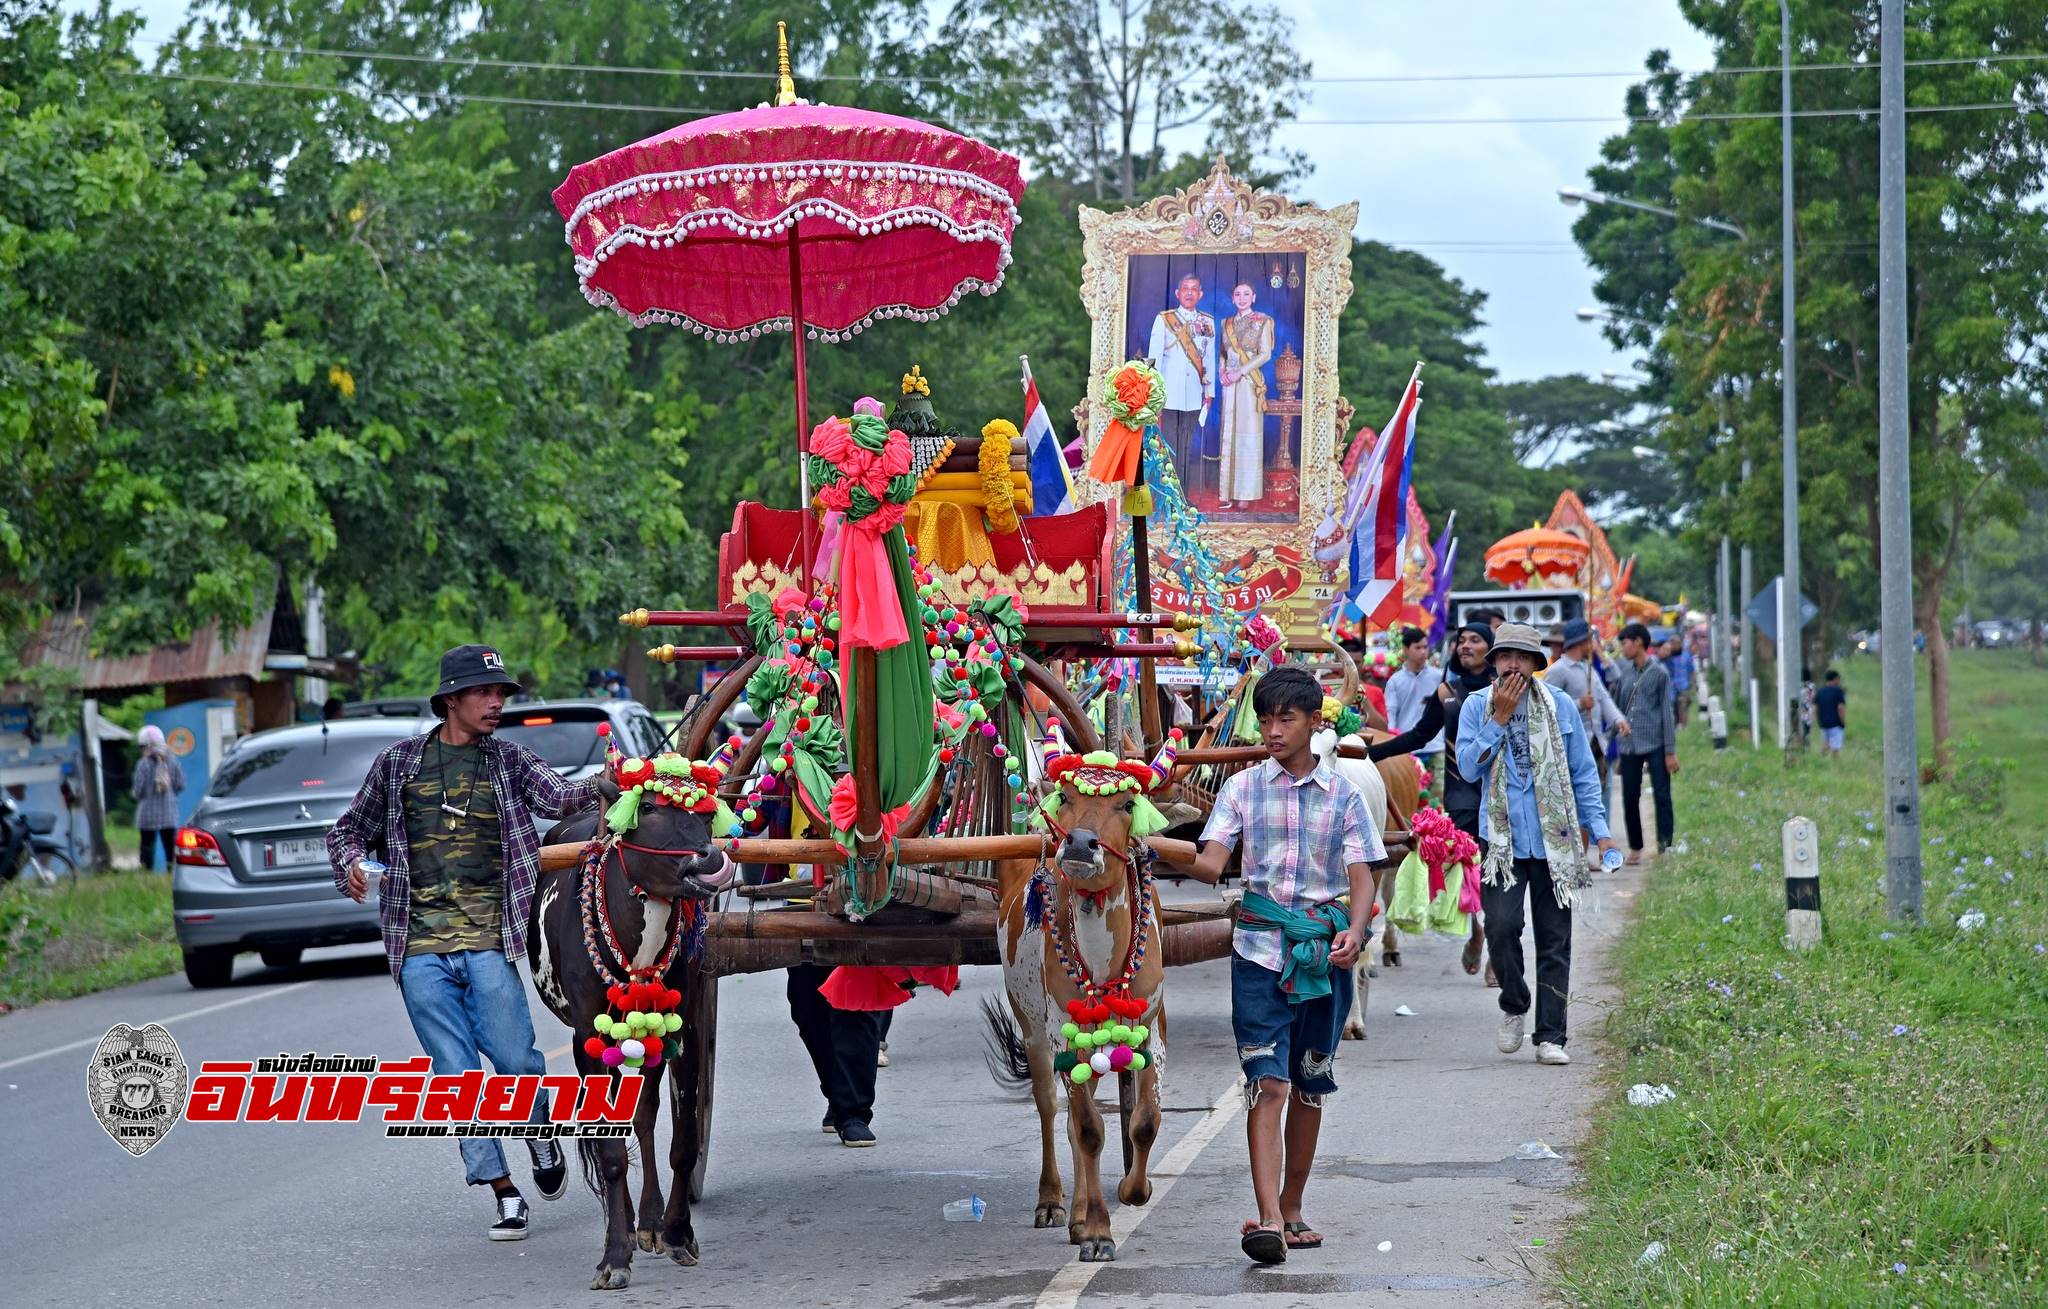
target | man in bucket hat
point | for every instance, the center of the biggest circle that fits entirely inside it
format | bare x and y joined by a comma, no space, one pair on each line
449,814
1523,742
1574,674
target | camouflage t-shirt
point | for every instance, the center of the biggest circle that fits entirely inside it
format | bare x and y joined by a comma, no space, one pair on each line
458,876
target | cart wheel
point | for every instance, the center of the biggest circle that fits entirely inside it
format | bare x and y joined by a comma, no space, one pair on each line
702,1025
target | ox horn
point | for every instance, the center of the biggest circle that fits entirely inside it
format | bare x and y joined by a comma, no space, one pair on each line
1162,763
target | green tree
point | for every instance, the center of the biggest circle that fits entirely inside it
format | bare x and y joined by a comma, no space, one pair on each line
235,367
1977,299
1090,88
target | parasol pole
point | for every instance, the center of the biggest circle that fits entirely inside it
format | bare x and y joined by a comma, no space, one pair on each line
803,409
785,94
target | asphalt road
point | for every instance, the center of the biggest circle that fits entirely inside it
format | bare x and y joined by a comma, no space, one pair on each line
1417,1185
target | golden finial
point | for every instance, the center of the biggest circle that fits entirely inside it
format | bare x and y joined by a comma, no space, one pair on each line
662,654
634,618
785,89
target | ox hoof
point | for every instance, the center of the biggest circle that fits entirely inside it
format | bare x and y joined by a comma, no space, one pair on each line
650,1241
1049,1215
685,1254
1101,1251
611,1279
1353,1033
1134,1193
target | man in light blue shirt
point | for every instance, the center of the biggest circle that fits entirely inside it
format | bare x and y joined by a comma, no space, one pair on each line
1408,691
1552,795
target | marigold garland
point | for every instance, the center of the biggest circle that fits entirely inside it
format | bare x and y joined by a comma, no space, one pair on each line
996,484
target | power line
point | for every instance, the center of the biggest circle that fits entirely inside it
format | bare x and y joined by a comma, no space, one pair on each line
464,97
480,61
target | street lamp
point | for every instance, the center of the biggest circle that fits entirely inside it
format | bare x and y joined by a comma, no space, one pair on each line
1578,195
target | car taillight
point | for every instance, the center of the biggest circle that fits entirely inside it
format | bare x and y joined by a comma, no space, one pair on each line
199,848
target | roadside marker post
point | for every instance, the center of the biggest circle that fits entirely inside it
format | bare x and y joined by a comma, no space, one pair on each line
1802,884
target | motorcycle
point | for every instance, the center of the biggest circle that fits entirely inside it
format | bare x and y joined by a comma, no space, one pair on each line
28,846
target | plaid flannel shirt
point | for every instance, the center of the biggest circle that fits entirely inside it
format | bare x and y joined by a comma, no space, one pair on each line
375,826
1301,836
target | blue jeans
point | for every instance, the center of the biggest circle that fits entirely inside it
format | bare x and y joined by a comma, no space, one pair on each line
466,1004
1294,1043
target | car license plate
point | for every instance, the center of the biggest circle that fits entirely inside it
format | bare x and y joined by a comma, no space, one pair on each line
305,850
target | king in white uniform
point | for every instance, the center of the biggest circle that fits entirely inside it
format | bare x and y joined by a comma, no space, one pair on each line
1190,374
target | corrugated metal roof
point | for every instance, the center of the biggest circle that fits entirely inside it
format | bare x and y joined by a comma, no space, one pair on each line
66,642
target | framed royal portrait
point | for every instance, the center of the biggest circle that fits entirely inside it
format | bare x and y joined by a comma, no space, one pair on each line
1233,294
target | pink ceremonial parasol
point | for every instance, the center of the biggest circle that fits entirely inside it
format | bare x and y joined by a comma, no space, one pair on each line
794,217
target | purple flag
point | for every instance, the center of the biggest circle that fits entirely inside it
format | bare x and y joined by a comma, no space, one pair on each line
1437,604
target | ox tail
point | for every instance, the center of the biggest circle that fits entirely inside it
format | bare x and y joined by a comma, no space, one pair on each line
593,1175
1007,1059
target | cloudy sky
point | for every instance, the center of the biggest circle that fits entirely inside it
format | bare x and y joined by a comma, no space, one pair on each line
1479,198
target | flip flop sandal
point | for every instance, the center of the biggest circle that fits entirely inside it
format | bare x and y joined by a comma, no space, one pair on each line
1263,1245
1295,1229
1492,980
1470,958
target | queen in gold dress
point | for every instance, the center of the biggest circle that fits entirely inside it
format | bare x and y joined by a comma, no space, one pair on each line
1247,341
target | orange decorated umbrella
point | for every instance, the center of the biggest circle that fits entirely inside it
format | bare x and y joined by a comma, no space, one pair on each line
1536,557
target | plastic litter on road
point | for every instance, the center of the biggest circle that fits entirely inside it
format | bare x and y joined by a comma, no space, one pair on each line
1536,1150
1651,1254
1971,921
969,1210
1386,1246
1642,1095
1403,1011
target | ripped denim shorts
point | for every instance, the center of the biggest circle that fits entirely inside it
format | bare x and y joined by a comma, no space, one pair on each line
1294,1043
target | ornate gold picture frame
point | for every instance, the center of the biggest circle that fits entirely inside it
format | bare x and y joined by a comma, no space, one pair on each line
1235,295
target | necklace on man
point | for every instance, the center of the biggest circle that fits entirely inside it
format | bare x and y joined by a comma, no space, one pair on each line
455,816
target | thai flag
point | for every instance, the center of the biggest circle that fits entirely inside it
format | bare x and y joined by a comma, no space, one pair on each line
1375,512
1052,486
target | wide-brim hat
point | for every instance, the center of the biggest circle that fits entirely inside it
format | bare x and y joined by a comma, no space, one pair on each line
470,665
1575,631
1519,636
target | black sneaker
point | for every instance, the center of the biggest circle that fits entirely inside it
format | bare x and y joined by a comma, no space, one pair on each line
856,1135
829,1126
550,1169
511,1224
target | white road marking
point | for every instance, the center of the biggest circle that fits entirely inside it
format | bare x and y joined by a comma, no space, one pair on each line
174,1018
1064,1291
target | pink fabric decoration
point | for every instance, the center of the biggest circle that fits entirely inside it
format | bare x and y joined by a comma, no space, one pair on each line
845,809
894,218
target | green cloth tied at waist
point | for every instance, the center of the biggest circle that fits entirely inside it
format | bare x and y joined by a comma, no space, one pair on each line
1305,964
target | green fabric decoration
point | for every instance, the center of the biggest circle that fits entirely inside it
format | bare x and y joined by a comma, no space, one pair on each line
1305,971
624,815
769,684
868,432
724,819
905,748
859,504
1050,806
1100,759
1002,616
1146,820
670,765
902,488
1409,910
1246,725
762,624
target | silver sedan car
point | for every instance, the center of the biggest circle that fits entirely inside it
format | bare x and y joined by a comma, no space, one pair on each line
250,870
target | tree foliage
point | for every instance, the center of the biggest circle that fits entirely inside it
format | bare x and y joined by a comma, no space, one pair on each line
1977,296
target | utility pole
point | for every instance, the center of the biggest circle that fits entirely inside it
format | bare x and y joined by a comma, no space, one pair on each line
1724,582
1748,583
1790,645
1894,469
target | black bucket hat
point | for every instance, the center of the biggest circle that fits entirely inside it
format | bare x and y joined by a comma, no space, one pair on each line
470,665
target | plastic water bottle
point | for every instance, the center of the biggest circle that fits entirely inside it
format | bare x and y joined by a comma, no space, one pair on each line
969,1210
1610,860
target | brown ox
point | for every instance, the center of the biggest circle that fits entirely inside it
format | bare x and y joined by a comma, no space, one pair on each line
1092,903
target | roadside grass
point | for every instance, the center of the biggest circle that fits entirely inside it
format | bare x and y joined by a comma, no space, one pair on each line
85,934
1864,1124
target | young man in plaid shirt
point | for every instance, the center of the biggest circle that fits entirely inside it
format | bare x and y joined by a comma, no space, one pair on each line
1308,842
450,814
